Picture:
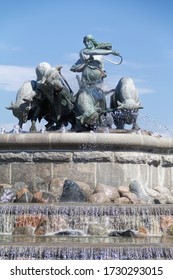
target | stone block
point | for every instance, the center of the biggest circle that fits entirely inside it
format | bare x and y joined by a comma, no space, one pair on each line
130,157
111,174
15,157
94,156
84,172
5,176
52,157
27,172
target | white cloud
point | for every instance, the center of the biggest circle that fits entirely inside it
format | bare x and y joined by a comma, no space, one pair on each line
12,77
144,90
133,65
137,66
72,56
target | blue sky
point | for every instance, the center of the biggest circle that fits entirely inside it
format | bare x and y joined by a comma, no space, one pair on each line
40,30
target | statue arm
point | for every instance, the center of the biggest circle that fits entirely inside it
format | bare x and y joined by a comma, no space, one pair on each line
99,52
77,67
80,64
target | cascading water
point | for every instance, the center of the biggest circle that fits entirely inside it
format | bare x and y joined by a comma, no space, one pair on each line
77,218
72,251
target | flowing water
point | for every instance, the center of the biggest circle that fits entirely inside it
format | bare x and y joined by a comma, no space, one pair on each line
73,248
77,218
149,124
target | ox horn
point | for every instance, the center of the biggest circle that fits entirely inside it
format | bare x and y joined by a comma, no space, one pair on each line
139,106
58,68
120,105
11,107
124,106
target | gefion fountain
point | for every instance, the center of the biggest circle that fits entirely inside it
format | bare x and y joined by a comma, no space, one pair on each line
95,191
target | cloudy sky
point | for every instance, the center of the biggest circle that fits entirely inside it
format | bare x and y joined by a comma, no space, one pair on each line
40,30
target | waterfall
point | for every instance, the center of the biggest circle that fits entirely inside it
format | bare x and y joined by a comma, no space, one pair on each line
76,217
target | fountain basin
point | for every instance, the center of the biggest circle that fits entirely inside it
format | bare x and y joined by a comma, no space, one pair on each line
114,159
110,158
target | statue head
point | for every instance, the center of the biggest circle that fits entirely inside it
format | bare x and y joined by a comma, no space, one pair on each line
41,70
89,37
88,41
49,75
52,77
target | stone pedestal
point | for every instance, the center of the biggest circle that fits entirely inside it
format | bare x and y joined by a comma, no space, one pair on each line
113,159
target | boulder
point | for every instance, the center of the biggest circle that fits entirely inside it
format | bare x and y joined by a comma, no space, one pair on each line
99,197
72,192
109,191
43,197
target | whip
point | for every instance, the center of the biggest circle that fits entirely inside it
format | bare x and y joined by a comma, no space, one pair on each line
114,62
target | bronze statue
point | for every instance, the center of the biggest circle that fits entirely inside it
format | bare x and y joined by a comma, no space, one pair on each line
90,62
50,96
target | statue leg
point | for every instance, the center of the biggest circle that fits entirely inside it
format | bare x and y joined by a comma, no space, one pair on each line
33,126
49,124
20,124
135,126
119,120
134,115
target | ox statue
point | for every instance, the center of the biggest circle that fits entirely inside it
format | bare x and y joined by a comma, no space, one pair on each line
50,97
26,94
54,101
90,104
125,104
22,104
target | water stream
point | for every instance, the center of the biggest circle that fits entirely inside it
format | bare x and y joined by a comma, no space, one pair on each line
78,218
83,249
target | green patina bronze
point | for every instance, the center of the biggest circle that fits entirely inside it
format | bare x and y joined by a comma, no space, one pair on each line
50,96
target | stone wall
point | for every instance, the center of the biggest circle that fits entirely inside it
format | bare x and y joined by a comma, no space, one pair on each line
113,159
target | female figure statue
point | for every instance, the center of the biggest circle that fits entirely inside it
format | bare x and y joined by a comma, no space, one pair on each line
90,62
